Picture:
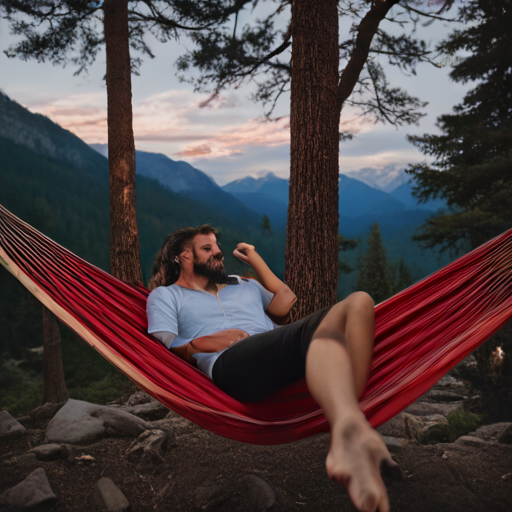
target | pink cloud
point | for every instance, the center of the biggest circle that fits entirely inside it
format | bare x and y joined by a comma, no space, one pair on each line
202,149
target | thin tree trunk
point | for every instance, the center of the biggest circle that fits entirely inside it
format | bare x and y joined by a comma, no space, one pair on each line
124,235
312,229
54,383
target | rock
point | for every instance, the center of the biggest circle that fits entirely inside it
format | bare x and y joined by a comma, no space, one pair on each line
417,426
151,446
26,421
84,423
437,395
261,495
210,496
109,496
471,441
9,426
506,436
139,397
150,412
394,444
50,452
45,412
450,382
429,408
34,492
492,432
168,428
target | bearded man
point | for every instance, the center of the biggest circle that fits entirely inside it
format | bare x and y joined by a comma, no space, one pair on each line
238,332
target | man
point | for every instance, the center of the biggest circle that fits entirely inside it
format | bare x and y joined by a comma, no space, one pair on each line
230,333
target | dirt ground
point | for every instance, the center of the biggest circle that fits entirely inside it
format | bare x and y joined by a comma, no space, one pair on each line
443,477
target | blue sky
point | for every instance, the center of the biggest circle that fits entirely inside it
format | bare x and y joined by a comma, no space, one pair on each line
228,139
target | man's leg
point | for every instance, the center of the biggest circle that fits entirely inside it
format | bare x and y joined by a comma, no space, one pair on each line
337,369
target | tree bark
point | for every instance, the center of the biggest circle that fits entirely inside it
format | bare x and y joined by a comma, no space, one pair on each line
124,235
312,229
54,383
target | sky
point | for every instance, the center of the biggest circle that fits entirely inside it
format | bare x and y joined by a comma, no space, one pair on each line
227,138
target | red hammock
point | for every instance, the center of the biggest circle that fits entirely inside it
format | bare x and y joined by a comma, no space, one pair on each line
421,333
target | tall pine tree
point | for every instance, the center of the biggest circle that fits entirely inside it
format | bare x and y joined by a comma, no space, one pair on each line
373,273
472,158
319,90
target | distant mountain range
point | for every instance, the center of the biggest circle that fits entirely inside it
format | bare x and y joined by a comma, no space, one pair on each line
359,204
56,182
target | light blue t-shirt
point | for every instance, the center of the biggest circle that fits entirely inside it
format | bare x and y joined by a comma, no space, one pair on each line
190,314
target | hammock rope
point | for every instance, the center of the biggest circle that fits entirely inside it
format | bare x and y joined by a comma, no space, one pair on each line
421,333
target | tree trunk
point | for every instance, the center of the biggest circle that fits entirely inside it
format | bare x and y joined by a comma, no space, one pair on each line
124,235
54,384
312,229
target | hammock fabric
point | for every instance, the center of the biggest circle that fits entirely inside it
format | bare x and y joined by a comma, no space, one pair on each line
421,333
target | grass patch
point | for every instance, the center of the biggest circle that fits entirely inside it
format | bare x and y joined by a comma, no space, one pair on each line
114,387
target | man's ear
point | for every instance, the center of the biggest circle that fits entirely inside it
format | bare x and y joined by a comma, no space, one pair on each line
186,255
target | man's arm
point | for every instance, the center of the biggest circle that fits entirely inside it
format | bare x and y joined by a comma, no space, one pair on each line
284,299
211,343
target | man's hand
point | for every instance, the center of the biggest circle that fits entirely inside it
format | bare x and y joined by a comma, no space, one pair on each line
217,341
244,252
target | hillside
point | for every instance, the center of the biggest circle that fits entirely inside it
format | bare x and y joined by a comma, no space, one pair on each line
67,198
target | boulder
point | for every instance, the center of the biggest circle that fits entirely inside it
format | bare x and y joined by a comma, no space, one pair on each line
261,496
33,493
492,432
51,451
85,423
151,446
109,496
9,426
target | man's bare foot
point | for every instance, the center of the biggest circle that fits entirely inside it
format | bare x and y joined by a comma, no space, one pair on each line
354,460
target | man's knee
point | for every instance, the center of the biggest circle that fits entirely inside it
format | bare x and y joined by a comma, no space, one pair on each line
360,301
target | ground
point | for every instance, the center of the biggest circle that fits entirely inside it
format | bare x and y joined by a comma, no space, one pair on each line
442,477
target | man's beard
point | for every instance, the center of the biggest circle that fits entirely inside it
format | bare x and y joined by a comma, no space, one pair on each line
216,274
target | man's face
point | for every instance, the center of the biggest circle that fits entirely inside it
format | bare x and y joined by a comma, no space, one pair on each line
208,258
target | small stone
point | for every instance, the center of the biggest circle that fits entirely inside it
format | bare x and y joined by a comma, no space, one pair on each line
260,494
109,496
209,497
50,451
508,476
34,491
9,426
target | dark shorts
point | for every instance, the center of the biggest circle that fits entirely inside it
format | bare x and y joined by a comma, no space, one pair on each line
260,365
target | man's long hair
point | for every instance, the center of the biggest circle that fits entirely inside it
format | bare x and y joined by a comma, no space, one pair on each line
165,271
